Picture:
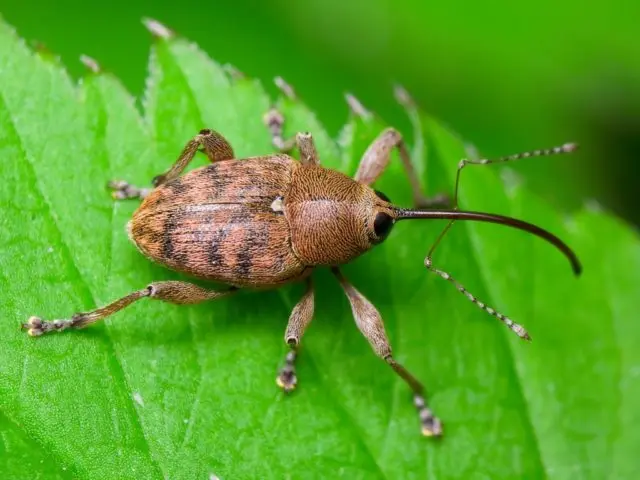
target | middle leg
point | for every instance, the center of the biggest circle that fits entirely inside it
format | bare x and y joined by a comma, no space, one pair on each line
369,322
298,322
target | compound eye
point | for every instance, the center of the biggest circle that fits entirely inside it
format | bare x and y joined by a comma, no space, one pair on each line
382,225
382,196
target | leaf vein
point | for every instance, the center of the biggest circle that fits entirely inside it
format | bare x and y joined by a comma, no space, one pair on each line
65,250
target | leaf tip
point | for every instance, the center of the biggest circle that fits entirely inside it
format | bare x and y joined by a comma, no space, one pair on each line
157,29
356,107
402,96
92,65
44,52
594,206
284,87
233,72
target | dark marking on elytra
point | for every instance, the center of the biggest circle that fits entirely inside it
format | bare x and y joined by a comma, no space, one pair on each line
255,241
216,184
244,261
155,236
177,186
172,227
279,259
215,256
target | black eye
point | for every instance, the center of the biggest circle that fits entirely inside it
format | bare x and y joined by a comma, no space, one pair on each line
382,196
382,225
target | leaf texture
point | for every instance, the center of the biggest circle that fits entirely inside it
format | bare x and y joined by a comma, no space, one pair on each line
160,391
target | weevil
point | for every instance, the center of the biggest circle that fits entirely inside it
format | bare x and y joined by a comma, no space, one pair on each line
267,221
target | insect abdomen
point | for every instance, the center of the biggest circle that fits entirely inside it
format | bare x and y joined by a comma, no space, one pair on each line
190,225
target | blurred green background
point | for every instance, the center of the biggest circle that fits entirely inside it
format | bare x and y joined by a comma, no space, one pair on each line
508,76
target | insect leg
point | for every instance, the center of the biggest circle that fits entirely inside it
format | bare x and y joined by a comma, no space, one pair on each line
274,120
169,291
518,329
370,323
122,190
307,148
298,321
376,158
211,143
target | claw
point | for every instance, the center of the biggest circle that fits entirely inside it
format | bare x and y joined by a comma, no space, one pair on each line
33,326
287,379
431,426
273,118
122,190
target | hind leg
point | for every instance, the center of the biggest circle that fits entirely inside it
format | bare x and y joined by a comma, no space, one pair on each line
181,293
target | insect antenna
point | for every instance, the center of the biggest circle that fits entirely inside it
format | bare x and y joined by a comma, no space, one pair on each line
455,214
566,148
452,215
514,327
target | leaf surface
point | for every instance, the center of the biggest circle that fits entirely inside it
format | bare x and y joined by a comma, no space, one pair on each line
187,392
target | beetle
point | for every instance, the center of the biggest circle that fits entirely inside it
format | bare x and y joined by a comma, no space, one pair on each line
266,221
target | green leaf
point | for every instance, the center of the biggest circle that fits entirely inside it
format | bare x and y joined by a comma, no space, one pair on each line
160,391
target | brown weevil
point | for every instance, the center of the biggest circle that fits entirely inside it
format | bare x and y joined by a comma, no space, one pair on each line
267,221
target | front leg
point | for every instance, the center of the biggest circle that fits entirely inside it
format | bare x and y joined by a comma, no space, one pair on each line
214,146
376,158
